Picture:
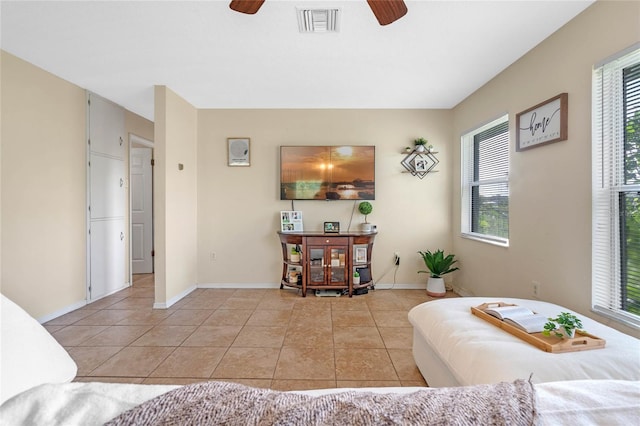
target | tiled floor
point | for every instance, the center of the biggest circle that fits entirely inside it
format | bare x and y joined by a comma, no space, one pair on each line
267,338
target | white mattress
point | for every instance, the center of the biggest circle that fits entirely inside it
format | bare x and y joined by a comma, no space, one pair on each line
596,402
476,352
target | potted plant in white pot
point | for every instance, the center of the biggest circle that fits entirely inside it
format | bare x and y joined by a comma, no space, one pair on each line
437,264
420,144
295,255
563,326
365,208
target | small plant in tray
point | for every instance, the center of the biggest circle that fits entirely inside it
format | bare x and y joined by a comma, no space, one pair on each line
562,326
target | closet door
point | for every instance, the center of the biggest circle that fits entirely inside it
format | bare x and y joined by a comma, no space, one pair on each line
106,197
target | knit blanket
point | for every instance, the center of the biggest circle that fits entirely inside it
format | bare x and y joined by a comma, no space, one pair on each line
211,403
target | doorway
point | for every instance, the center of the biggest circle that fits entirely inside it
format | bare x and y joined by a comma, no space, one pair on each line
141,206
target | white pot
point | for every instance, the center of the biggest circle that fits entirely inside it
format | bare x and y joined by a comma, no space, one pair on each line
435,287
356,280
566,334
295,258
365,227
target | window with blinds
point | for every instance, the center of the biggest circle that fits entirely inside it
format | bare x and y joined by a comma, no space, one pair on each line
485,180
616,188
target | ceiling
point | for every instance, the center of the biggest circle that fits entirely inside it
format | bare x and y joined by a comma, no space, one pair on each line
434,57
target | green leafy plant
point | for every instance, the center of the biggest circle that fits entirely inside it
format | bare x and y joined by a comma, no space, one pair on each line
565,320
294,250
365,208
420,141
437,263
356,274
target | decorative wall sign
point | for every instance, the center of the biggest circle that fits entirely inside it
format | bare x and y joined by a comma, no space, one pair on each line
544,123
239,151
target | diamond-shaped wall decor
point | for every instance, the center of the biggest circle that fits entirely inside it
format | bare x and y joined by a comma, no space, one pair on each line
419,163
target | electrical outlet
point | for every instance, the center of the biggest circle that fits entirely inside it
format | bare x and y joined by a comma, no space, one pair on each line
396,258
535,289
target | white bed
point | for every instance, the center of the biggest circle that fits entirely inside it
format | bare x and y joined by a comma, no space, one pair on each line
453,347
37,396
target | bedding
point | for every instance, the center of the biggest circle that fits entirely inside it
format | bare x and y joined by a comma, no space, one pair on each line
583,402
453,347
29,355
235,404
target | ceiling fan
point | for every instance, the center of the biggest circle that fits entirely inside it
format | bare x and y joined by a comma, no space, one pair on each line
386,11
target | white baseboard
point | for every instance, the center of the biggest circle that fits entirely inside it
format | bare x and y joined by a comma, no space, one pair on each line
77,305
174,299
463,292
237,286
400,286
62,311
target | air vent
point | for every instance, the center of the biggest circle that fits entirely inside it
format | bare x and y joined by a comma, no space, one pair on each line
318,20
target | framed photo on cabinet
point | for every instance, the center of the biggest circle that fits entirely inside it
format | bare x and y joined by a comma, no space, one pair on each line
291,221
332,227
239,151
360,255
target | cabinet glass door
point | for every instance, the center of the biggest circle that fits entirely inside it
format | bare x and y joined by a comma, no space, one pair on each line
338,265
316,266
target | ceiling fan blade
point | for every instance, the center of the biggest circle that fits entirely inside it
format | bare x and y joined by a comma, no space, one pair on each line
388,11
246,6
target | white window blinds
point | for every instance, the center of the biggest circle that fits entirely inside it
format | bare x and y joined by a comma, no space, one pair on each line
616,188
485,178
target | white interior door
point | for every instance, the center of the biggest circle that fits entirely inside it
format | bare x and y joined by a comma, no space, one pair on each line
106,198
141,185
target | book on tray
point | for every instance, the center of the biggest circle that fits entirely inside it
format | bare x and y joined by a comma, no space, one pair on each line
519,316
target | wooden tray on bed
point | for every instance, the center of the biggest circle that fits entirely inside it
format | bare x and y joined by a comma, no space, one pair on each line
582,342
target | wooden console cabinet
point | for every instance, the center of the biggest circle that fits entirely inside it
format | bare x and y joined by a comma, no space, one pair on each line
327,261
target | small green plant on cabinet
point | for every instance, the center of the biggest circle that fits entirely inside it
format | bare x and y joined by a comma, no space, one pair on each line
295,254
365,208
565,320
437,263
356,274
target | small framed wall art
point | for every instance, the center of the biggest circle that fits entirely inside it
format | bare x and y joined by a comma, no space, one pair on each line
239,151
544,123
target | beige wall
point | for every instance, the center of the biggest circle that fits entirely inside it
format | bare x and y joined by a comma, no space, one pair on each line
43,189
238,207
175,196
550,195
139,126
